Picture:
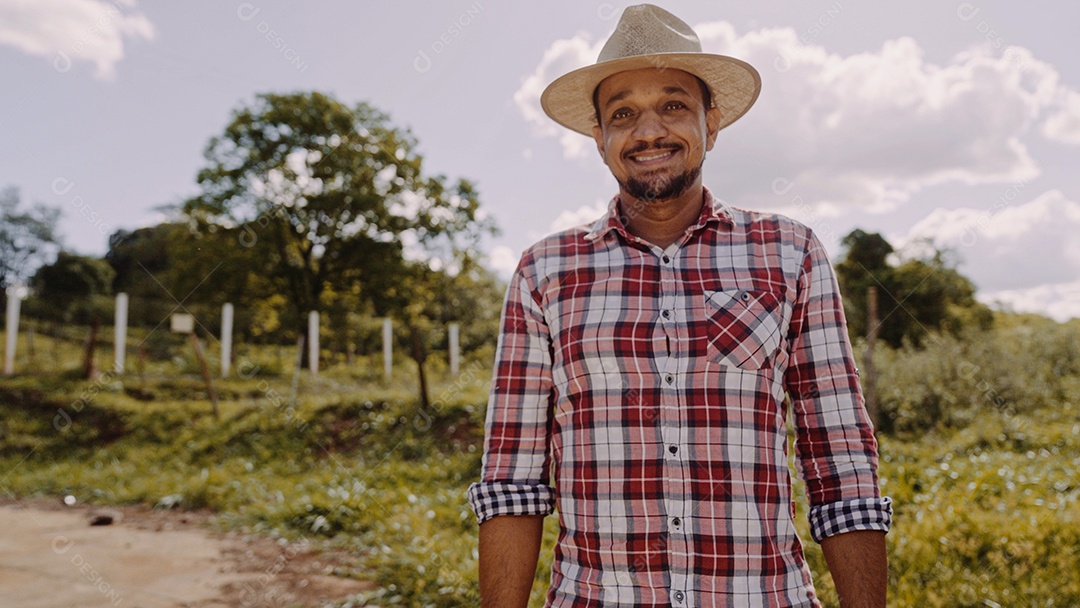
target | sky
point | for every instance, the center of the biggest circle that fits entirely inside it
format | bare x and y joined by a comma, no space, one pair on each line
954,123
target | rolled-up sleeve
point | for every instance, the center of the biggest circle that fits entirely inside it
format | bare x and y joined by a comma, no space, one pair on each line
516,461
835,445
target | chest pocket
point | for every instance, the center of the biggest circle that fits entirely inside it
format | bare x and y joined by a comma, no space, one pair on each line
743,327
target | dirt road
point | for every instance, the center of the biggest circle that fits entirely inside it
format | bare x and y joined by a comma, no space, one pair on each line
51,557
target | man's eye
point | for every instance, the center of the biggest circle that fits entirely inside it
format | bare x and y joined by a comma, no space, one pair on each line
620,114
675,105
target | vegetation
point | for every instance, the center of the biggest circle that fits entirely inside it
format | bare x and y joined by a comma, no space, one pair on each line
331,201
309,204
26,236
980,459
917,294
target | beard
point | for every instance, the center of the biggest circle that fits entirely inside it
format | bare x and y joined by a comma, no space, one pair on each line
661,187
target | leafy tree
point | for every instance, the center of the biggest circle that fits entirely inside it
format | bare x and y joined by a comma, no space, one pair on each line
142,260
73,288
915,296
864,264
26,237
426,300
329,197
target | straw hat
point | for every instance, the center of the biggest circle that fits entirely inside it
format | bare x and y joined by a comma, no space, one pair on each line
650,37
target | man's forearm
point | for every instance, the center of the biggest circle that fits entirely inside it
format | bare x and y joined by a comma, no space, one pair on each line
509,550
859,567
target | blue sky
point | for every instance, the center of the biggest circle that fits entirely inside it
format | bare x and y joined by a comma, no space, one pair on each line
957,122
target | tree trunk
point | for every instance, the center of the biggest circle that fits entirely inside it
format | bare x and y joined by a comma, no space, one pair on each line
420,356
89,370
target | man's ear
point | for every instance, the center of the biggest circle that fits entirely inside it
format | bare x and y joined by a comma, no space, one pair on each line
712,126
598,135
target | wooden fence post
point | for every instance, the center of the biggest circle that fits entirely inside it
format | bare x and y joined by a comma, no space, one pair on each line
870,374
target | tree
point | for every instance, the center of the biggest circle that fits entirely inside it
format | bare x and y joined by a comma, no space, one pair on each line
427,300
73,288
864,264
330,197
143,260
916,295
26,237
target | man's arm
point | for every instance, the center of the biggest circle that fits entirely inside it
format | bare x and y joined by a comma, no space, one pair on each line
837,450
859,567
509,551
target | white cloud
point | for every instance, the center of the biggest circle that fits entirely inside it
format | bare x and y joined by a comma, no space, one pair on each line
582,215
1012,249
561,57
1064,125
71,31
867,130
1059,301
503,260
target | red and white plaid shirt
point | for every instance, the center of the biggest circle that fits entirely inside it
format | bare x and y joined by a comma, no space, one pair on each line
642,391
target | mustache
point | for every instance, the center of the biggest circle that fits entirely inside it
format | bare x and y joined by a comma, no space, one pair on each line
656,146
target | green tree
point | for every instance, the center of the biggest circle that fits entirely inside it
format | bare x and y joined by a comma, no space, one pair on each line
865,263
26,237
142,260
330,197
916,295
73,288
426,300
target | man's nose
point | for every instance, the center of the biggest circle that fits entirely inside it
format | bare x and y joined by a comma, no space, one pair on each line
649,126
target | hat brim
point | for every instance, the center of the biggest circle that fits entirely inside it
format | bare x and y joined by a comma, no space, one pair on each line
734,85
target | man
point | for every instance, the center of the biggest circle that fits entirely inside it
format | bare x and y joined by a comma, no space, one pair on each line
645,362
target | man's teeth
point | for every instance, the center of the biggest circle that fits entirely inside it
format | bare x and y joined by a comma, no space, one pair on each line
655,156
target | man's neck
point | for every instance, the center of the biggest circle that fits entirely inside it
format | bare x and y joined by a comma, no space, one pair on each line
662,222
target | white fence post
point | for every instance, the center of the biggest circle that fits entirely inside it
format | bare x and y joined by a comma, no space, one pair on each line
387,346
226,339
455,352
14,300
120,332
313,342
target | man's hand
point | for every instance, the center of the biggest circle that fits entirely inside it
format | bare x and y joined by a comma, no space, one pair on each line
509,550
859,567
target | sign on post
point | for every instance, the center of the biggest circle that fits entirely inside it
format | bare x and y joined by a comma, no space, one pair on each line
120,332
182,323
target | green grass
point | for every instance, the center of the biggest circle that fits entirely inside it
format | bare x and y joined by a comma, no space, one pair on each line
985,498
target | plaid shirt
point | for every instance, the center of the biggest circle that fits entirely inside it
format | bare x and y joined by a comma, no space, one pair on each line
650,383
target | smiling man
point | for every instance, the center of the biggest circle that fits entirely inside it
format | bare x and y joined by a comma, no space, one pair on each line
649,365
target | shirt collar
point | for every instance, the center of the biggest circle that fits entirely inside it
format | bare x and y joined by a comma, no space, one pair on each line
714,210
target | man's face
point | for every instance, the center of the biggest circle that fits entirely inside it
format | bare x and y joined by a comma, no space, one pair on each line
654,131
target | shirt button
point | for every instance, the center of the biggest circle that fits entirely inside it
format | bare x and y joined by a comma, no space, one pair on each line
674,449
669,379
745,296
666,314
665,259
676,522
679,597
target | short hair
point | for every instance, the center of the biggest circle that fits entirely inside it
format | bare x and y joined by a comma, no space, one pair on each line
706,97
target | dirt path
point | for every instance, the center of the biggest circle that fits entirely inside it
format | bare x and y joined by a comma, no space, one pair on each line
51,557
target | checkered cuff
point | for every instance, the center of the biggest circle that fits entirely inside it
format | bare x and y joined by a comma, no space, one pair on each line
849,515
491,498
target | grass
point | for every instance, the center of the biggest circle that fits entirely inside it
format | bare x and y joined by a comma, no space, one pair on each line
985,498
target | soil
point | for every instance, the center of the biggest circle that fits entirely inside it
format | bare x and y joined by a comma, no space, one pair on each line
50,556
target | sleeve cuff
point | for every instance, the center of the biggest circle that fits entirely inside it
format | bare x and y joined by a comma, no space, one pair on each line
850,515
491,498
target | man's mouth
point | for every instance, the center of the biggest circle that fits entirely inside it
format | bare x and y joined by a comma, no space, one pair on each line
653,155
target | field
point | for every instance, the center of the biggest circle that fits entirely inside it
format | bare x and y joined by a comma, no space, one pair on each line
980,453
